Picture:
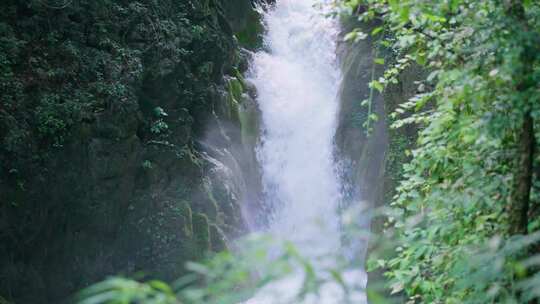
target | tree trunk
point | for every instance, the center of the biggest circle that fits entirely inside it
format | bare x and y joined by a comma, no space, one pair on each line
519,209
520,205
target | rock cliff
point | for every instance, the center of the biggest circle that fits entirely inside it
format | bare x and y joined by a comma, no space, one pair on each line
126,135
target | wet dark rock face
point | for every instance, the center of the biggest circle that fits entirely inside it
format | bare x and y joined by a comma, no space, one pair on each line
372,162
126,133
372,159
361,151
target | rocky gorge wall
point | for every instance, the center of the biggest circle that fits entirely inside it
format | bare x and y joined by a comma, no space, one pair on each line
122,124
372,162
372,159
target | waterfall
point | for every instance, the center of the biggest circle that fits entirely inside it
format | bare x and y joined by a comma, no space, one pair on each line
297,83
297,79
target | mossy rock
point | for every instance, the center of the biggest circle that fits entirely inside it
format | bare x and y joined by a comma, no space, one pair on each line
245,22
185,211
201,232
218,241
211,206
250,37
235,91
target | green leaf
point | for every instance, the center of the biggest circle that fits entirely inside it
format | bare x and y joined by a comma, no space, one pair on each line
377,30
376,85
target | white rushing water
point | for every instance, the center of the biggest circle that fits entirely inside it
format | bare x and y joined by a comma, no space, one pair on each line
297,85
297,80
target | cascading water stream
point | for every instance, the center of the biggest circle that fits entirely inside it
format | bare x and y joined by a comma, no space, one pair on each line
297,86
297,82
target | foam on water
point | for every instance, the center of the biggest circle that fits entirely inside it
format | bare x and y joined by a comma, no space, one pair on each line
297,84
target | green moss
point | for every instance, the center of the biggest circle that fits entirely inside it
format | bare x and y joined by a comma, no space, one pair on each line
184,209
212,209
240,111
217,239
250,37
201,232
235,90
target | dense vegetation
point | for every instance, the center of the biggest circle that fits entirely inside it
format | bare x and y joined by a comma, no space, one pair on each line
467,211
464,223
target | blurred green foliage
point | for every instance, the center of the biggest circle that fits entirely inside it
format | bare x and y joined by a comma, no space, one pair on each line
228,278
